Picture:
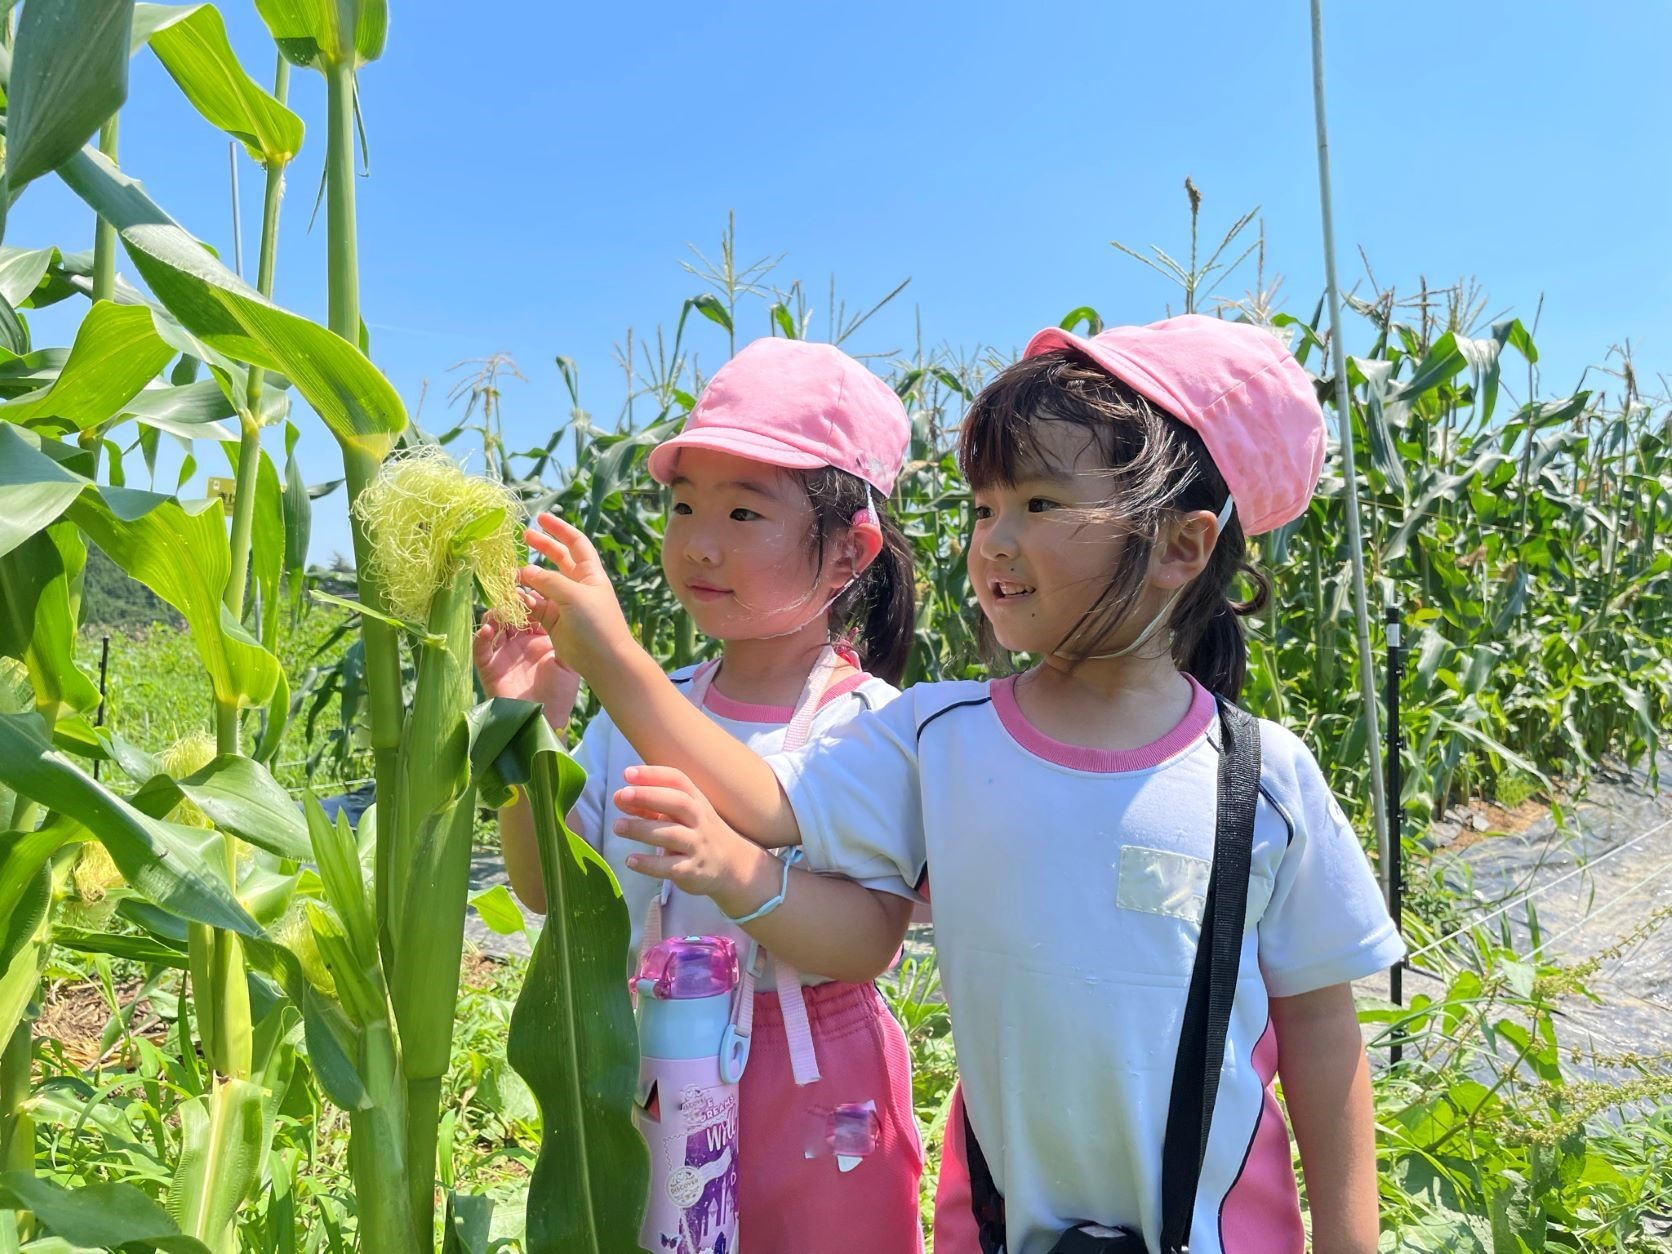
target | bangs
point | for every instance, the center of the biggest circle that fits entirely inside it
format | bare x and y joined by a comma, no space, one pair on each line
1004,439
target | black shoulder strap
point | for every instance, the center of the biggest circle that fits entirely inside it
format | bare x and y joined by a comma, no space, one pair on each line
1213,981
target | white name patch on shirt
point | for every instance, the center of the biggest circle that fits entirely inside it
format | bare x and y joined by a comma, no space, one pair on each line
1157,881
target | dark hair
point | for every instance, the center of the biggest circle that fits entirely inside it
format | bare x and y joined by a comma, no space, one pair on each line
1157,468
878,613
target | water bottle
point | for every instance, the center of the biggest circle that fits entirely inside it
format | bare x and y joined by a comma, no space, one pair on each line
691,1058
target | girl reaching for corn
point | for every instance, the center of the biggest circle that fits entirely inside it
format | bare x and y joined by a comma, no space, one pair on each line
778,546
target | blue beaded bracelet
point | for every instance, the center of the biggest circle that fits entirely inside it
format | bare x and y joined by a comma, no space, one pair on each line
766,909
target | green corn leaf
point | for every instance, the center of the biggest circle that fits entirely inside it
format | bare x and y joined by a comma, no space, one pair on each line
178,550
267,538
22,855
298,517
221,996
160,860
21,272
238,796
352,397
117,351
69,73
100,1216
572,1036
468,1225
496,908
220,1159
311,32
31,877
14,331
38,618
23,953
191,43
338,858
143,949
333,1046
36,484
193,411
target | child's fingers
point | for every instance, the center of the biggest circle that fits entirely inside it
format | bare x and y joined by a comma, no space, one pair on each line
661,777
556,550
659,832
679,806
658,866
547,584
577,541
482,646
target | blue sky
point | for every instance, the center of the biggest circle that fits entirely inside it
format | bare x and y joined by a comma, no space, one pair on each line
537,171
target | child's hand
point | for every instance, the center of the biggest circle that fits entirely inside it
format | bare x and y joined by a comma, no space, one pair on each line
574,602
697,850
522,663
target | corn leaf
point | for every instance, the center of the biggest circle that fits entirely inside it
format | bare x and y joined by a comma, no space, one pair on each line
179,550
220,1159
309,32
298,517
191,43
38,618
117,351
572,1036
36,484
238,796
100,1216
21,272
69,73
23,959
193,411
158,859
352,397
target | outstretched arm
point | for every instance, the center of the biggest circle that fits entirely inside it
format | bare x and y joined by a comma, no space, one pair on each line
826,924
577,606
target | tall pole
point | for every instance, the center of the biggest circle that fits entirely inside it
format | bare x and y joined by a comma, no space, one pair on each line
1396,815
1344,417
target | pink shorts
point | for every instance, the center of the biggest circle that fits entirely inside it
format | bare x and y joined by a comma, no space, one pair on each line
955,1230
791,1204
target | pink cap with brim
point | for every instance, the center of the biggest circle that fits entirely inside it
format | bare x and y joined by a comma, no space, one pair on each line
798,405
1242,391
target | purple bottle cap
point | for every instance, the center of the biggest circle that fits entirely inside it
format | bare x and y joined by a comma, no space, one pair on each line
683,967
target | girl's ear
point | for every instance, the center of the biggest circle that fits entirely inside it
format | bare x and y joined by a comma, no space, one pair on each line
1183,550
859,548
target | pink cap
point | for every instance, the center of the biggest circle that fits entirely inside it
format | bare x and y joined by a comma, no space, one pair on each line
1241,389
799,405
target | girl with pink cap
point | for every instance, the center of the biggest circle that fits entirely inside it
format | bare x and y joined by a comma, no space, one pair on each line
1148,905
778,545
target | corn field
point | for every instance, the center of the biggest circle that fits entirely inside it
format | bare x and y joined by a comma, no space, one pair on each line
296,1083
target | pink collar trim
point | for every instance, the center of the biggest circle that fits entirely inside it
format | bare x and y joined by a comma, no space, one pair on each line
718,703
1196,721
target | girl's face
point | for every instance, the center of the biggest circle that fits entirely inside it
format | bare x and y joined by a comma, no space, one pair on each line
737,550
1037,560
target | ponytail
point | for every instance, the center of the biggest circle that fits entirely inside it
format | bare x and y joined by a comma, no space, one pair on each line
888,592
1216,652
878,613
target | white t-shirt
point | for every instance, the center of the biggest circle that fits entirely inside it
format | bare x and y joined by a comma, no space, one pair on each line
1068,887
605,754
